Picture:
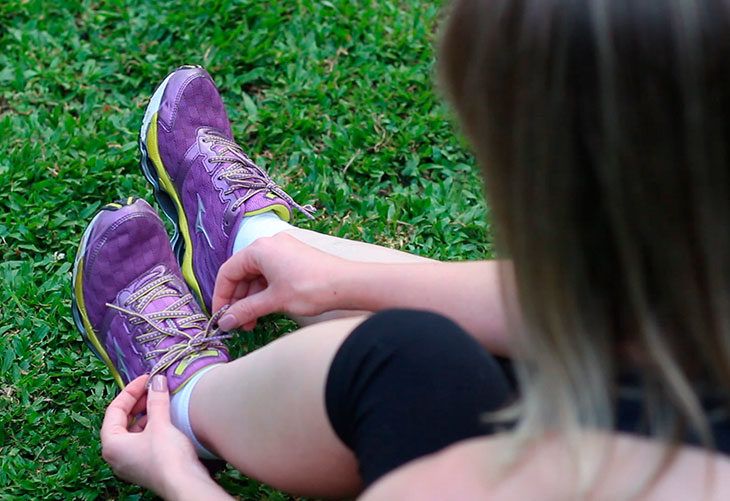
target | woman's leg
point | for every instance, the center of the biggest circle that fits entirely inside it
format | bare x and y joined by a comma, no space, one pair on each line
264,413
331,408
354,250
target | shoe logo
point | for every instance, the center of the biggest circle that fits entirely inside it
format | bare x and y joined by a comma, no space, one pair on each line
199,228
120,360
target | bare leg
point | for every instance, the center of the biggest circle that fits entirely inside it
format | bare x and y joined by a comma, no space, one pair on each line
354,251
265,414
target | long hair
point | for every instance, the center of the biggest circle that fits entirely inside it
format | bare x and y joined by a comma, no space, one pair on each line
603,131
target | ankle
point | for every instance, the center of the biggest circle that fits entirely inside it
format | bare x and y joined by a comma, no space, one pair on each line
266,224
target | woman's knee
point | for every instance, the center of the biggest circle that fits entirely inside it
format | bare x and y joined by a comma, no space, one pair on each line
407,383
418,349
421,338
401,329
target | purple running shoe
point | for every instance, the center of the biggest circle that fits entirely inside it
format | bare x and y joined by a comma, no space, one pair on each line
202,179
131,304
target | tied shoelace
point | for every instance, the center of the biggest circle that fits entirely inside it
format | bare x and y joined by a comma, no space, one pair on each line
243,173
207,332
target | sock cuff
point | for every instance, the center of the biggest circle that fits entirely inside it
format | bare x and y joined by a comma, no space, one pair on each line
180,415
266,224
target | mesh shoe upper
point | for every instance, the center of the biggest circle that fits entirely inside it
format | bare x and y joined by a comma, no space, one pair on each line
141,315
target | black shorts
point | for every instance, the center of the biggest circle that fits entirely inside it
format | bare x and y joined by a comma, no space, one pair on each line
408,383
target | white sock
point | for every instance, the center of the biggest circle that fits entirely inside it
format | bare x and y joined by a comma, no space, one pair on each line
260,225
180,416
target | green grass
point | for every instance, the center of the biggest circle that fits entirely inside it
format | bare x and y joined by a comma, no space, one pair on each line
336,98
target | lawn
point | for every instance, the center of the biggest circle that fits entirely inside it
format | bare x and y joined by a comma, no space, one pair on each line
336,98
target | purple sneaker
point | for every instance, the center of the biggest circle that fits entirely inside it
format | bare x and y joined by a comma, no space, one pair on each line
202,179
131,303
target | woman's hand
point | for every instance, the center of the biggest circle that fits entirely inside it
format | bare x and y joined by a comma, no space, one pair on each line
150,452
276,274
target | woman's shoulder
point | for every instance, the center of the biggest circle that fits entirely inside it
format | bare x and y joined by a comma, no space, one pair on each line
475,469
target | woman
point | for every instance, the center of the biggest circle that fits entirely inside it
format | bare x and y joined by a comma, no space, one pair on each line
602,127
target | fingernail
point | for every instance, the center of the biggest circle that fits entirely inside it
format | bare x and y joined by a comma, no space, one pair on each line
159,383
227,322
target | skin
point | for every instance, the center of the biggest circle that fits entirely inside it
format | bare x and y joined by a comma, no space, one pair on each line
351,250
300,279
287,441
265,414
467,470
472,469
152,452
283,274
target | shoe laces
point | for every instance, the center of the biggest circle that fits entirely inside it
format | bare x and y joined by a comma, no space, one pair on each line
243,173
170,322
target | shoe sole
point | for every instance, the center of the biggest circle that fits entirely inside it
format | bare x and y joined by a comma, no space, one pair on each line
164,190
78,305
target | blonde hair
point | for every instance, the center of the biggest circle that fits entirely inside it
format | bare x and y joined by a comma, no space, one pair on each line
603,131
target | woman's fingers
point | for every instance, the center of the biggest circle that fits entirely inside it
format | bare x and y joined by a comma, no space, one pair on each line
248,309
139,424
116,418
255,287
243,289
140,406
241,267
158,402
